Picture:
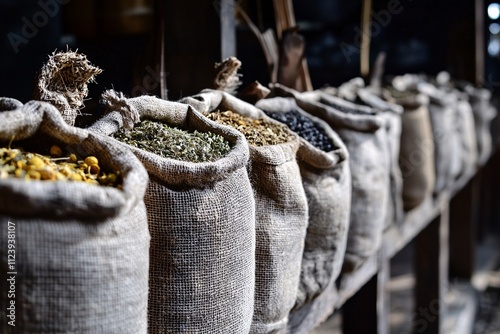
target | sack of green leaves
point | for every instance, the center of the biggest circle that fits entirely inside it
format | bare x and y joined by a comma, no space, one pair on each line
280,203
73,227
324,166
363,132
201,213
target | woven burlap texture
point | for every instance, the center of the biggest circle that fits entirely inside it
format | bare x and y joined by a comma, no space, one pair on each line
202,223
281,217
82,251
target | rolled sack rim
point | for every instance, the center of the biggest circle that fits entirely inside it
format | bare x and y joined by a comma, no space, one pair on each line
68,199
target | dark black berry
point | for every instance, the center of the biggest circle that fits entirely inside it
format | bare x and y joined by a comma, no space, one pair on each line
304,127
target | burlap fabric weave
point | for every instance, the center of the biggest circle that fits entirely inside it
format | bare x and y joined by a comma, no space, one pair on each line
281,217
82,251
202,224
365,137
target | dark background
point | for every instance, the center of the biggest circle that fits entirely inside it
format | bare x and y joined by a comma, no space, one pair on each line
426,36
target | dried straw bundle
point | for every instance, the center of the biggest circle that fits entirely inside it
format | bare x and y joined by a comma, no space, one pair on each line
63,82
227,78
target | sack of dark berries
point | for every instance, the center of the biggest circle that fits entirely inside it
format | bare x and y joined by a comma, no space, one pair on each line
324,167
73,227
201,214
363,132
280,201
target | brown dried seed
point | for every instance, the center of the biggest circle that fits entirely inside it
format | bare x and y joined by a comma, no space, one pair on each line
75,177
94,169
47,174
34,175
56,151
91,160
36,162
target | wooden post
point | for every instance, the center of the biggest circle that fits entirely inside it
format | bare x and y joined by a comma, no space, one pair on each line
368,310
431,260
228,30
479,41
464,215
197,35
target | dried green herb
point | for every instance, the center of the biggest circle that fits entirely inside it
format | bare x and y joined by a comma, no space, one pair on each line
174,143
257,131
16,163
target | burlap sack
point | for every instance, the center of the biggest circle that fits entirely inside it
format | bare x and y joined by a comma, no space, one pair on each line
466,133
474,117
414,178
392,113
281,217
447,150
364,134
416,157
202,224
355,91
327,183
81,251
484,112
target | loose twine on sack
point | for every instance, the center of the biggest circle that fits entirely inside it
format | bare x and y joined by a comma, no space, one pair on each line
116,101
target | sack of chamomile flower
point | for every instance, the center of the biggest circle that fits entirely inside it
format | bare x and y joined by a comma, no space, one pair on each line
73,227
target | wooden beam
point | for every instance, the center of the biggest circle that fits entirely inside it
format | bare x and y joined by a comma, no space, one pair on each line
228,30
367,311
464,217
197,35
431,261
479,39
